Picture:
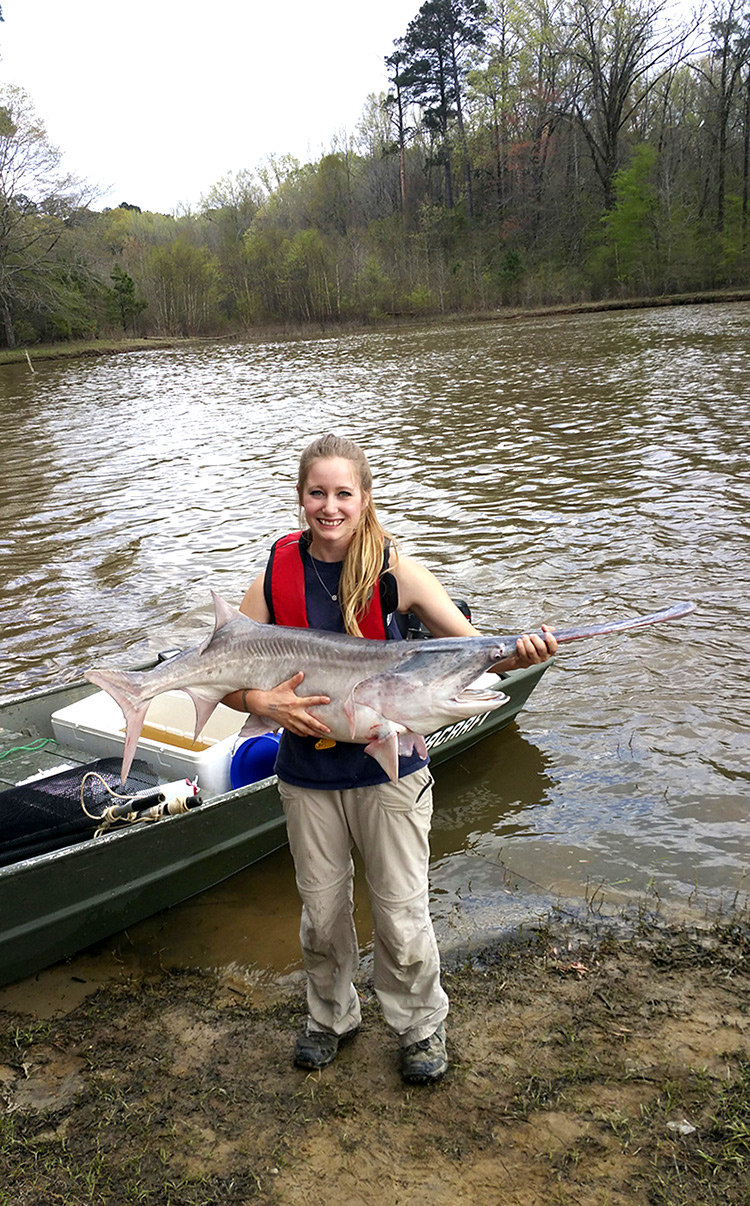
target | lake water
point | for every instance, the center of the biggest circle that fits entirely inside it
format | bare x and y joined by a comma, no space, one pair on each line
559,469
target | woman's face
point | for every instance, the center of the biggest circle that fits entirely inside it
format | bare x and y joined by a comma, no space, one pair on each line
333,502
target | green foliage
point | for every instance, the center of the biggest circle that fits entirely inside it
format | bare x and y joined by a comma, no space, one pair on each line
124,303
184,282
526,155
421,300
37,203
308,277
629,255
25,334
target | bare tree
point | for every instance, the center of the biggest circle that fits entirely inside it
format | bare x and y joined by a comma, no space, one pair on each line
619,51
728,56
398,102
37,201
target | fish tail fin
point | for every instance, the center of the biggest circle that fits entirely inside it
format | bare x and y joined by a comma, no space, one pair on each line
126,688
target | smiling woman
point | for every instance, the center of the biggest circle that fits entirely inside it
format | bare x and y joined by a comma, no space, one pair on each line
333,501
604,456
342,574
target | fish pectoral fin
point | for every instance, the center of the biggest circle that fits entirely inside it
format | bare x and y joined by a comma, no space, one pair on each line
385,752
350,711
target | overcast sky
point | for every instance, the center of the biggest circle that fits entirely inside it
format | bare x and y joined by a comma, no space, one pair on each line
156,100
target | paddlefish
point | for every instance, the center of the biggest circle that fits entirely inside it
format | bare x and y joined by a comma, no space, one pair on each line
386,695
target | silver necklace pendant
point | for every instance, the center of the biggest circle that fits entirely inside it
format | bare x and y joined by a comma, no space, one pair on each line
333,598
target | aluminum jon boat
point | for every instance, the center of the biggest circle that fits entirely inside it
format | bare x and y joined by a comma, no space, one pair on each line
57,902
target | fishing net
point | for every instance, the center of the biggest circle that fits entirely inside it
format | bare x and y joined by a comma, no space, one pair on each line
46,814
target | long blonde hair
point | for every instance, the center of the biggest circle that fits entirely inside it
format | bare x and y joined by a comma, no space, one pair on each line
363,562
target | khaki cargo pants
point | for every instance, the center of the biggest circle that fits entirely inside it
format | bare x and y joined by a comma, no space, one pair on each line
390,825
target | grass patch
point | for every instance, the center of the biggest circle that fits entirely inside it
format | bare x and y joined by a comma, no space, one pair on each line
94,347
585,1070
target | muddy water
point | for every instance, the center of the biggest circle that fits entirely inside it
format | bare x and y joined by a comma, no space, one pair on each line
563,469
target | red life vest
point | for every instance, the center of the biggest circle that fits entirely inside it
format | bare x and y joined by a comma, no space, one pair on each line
287,589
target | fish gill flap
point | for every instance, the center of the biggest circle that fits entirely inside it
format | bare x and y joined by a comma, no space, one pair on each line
380,691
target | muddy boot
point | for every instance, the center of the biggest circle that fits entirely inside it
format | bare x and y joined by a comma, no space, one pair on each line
318,1048
426,1060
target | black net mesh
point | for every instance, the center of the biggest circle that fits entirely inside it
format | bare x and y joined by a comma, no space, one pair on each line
46,814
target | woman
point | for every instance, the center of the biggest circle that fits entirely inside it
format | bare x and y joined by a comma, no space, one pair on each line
342,574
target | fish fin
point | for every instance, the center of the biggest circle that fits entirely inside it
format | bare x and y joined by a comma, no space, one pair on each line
385,752
126,688
223,614
256,726
204,708
350,711
224,611
133,725
409,743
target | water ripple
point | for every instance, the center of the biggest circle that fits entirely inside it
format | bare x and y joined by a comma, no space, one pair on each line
567,469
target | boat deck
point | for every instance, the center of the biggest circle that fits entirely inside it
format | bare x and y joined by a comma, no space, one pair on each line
25,756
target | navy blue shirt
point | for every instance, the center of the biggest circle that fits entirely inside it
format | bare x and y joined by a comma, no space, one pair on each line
308,761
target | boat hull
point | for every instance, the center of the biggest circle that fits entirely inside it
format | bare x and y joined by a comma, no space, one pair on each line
56,904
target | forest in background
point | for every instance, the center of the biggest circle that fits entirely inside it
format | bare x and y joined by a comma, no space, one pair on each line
526,153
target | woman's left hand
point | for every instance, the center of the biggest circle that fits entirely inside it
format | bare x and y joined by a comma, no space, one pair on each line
532,650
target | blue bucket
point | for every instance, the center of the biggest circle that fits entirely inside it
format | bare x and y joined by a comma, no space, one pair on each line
253,760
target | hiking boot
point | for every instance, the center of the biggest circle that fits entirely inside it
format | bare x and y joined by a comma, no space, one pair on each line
426,1060
318,1048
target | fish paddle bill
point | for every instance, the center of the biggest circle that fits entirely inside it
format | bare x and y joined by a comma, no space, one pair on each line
589,630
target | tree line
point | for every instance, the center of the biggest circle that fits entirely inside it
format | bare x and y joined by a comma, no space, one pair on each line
526,152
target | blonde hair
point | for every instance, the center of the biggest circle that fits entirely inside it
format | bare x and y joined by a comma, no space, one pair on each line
363,562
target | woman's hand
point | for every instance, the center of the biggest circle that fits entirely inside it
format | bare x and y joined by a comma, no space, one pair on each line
281,705
286,709
531,650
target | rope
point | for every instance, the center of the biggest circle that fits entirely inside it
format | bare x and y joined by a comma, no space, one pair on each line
125,813
107,814
31,748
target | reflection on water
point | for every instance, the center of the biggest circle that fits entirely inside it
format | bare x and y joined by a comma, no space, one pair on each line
563,469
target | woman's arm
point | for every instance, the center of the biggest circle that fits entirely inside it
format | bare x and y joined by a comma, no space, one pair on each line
280,705
419,591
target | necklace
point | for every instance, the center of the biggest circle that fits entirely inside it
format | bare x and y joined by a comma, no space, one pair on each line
332,597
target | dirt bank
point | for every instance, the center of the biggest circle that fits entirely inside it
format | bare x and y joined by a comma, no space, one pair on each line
585,1071
73,349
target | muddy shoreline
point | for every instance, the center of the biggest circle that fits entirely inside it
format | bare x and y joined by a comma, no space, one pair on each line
286,331
587,1067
